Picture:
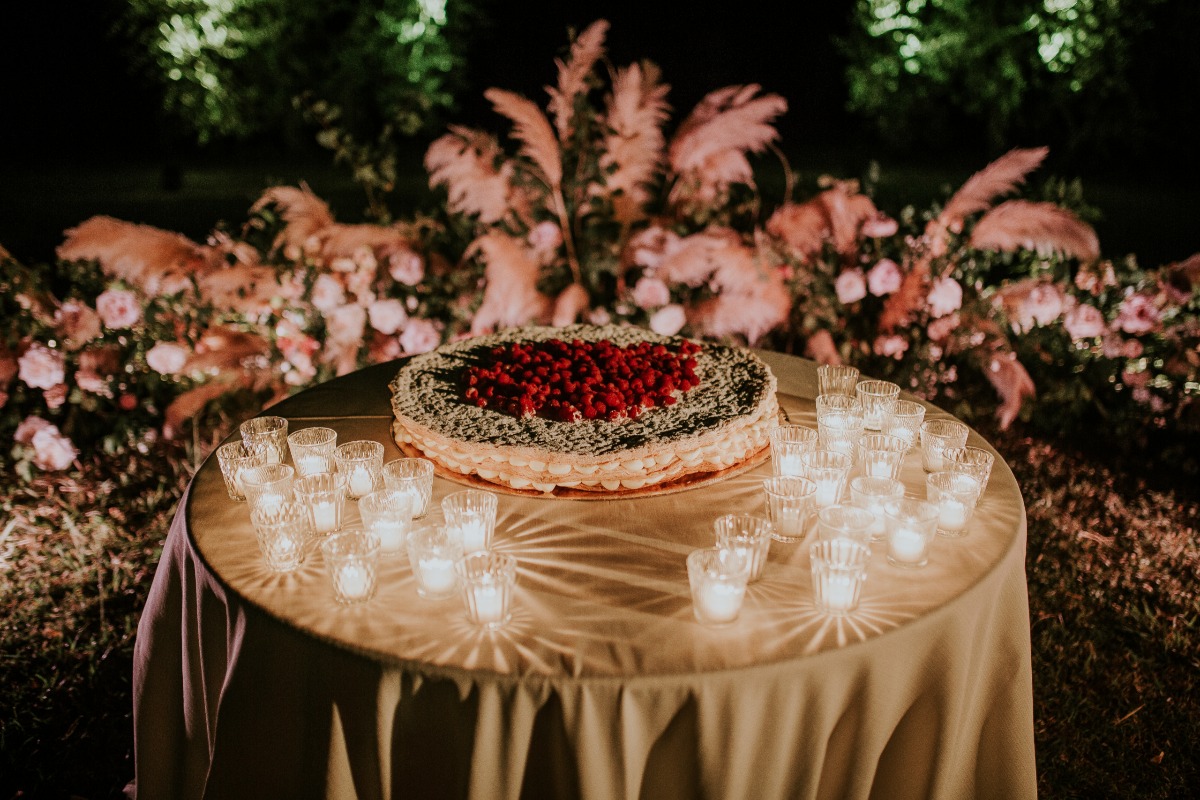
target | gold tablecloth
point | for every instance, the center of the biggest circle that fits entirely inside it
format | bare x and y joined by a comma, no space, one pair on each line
252,684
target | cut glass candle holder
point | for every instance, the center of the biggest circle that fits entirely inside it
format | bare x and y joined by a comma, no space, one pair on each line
313,449
234,458
844,521
882,455
486,581
362,463
829,470
911,525
789,443
839,568
877,398
268,484
791,502
955,495
352,560
387,515
432,553
717,578
938,436
904,420
324,496
973,461
412,475
471,516
841,431
749,535
873,494
836,379
282,532
268,435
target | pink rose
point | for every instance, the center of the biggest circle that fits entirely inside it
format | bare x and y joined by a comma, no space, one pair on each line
890,346
544,240
420,336
51,450
387,316
55,396
40,367
77,323
167,358
28,427
1137,314
651,293
850,286
880,226
668,320
91,381
1132,349
327,293
939,329
599,316
1041,306
406,267
884,277
945,297
360,285
118,308
1084,321
345,324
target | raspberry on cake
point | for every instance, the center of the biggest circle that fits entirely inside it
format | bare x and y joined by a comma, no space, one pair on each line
596,409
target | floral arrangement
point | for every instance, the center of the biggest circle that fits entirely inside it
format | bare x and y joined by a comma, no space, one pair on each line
139,334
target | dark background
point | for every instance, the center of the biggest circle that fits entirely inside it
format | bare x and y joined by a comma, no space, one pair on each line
80,134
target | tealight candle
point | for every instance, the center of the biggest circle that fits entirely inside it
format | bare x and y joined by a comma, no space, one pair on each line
955,495
904,420
936,436
906,545
324,494
235,458
354,582
789,443
436,575
433,551
412,475
721,602
877,398
269,501
717,578
351,558
910,525
324,517
474,535
310,465
267,435
789,505
489,604
838,568
828,469
872,493
471,516
838,592
487,580
361,482
312,449
748,535
361,462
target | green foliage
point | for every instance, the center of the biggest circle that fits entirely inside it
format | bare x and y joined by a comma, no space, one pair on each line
1060,71
230,68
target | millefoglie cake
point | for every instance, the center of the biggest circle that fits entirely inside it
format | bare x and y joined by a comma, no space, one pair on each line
605,409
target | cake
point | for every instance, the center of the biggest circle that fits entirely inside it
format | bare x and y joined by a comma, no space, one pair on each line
599,409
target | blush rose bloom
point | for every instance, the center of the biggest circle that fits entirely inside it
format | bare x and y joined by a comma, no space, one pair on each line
850,286
945,297
1084,321
387,316
77,322
406,267
544,240
118,308
1041,306
651,293
28,427
884,277
167,358
40,367
1137,314
51,450
890,346
668,320
345,324
419,336
327,293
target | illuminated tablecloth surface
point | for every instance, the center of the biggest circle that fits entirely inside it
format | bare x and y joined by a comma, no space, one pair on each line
253,684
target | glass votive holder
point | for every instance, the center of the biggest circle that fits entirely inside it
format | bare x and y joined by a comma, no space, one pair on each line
841,431
836,379
749,535
788,444
877,398
955,495
487,581
828,469
873,494
412,475
267,434
388,516
910,526
313,449
882,455
844,521
790,504
904,420
718,582
938,436
839,567
268,484
974,461
282,532
234,458
323,495
361,462
471,516
432,553
352,559
837,403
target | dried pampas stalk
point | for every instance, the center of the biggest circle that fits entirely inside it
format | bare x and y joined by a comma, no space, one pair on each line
304,213
1012,383
586,50
510,298
157,261
464,161
532,129
637,109
1000,177
1043,227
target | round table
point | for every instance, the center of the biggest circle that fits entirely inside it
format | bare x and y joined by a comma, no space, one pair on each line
251,683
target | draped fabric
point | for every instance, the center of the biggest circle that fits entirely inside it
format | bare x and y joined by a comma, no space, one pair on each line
253,684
